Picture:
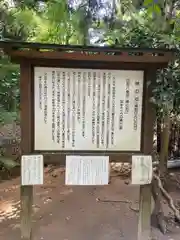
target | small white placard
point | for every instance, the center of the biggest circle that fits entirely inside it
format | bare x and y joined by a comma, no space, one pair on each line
32,169
142,169
87,170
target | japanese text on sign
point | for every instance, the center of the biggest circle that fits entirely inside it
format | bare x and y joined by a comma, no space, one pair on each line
84,109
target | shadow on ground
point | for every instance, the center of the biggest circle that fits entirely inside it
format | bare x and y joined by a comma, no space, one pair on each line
73,213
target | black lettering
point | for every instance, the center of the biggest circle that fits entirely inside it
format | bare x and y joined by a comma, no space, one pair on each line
113,110
45,98
53,105
121,115
58,107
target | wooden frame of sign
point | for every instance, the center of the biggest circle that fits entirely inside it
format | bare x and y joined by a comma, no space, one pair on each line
35,58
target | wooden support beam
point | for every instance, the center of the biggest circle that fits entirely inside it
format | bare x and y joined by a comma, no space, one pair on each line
26,147
144,226
26,212
144,223
79,56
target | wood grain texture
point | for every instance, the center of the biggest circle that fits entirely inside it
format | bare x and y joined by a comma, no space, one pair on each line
26,148
80,56
144,224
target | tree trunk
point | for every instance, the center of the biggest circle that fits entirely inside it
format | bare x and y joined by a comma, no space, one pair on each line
157,218
164,145
158,135
157,215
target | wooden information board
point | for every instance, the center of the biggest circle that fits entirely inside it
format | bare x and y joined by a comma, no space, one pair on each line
90,101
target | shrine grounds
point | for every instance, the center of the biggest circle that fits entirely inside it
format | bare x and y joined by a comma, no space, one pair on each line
79,213
75,213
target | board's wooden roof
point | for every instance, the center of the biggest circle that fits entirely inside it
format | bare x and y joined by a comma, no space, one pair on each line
27,50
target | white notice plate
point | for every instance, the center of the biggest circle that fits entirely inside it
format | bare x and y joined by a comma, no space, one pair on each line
32,169
87,170
142,169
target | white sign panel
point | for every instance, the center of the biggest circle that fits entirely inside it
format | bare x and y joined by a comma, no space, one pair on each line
84,109
142,170
87,170
32,169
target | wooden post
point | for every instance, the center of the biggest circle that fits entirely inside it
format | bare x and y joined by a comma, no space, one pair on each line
26,147
144,223
26,212
144,227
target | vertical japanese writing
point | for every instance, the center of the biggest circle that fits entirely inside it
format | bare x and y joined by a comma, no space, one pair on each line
121,115
136,103
68,107
94,107
144,169
84,103
88,110
45,98
40,92
73,108
103,108
98,110
108,110
58,107
53,105
79,97
127,97
113,109
89,84
63,109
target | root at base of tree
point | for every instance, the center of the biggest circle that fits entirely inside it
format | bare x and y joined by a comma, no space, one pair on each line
157,217
168,198
159,192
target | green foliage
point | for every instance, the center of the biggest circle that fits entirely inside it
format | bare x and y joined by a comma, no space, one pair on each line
8,117
167,89
7,163
60,25
54,24
144,29
9,85
21,24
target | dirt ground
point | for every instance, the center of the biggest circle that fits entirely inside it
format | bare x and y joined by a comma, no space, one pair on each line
73,213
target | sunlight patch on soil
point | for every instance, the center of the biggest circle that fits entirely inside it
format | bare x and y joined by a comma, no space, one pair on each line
9,210
11,188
